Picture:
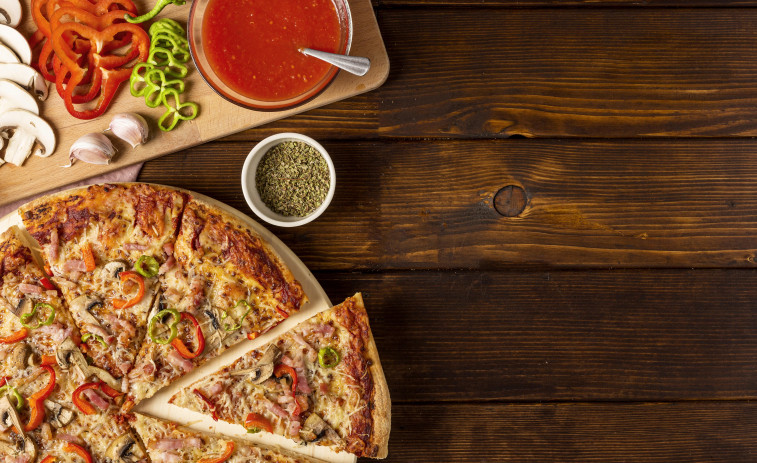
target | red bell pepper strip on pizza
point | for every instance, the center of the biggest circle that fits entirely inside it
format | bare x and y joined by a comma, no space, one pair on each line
109,67
137,278
226,455
73,448
208,402
48,459
281,370
89,257
179,345
109,391
19,335
37,401
255,422
44,281
79,401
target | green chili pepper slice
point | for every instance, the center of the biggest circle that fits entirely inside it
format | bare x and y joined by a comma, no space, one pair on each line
173,112
97,337
166,24
237,325
156,86
174,326
28,316
12,392
253,430
154,12
138,82
176,45
147,266
161,57
328,357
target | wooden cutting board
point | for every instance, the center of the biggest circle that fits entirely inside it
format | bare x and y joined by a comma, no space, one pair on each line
217,116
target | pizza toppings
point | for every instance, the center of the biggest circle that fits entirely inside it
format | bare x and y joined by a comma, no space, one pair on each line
255,422
12,393
30,289
23,449
125,449
14,337
89,390
328,357
177,444
236,319
147,266
211,406
226,455
140,281
315,429
88,257
28,319
37,400
58,415
8,415
264,368
175,359
159,321
79,450
179,345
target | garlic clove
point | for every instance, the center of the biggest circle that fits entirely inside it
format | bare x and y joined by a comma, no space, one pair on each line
93,148
130,127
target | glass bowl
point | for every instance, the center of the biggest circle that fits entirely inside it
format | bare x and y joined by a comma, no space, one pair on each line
194,34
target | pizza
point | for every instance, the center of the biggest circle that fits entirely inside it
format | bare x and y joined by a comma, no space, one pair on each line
167,442
111,292
321,382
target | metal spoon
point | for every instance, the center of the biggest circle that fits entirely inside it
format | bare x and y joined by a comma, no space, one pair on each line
353,64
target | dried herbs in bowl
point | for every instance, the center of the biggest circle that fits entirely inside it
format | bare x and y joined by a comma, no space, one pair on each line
293,179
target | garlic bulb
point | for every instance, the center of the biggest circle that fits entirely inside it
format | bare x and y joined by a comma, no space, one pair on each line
94,148
130,127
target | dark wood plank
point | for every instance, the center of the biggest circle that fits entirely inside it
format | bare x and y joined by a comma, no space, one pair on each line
607,72
589,204
568,335
465,433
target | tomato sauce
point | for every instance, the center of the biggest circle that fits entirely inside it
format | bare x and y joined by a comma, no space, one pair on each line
253,45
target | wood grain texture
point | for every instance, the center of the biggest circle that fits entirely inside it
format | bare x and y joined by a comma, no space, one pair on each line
606,72
567,335
463,433
590,204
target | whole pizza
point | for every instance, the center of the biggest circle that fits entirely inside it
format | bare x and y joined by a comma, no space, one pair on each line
111,292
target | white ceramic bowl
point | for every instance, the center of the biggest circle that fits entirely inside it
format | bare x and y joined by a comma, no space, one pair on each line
250,190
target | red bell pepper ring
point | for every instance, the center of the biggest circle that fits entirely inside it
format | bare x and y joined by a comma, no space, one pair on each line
226,455
208,402
73,448
44,281
79,401
137,278
255,420
17,336
112,78
37,401
109,391
179,345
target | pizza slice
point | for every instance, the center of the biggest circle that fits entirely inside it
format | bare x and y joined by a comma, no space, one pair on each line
167,442
30,306
54,407
321,383
105,246
227,286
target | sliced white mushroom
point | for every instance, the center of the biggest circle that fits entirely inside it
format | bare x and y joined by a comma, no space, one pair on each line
10,12
29,129
16,42
13,96
25,76
7,55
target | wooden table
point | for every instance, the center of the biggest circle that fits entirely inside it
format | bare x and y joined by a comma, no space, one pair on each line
551,208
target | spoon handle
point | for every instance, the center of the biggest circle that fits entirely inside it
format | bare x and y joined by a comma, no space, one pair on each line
353,64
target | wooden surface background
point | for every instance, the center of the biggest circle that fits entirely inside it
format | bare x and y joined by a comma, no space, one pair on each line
551,209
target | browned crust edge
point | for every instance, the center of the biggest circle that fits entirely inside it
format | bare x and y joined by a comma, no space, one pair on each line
381,412
275,258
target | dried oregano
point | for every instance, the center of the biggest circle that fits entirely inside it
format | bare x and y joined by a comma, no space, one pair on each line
293,179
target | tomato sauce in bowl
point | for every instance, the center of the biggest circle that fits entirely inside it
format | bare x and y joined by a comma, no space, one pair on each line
253,45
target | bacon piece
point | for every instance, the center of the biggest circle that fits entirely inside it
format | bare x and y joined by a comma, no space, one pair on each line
94,329
323,329
122,325
95,399
298,337
136,247
276,410
216,388
30,289
294,428
168,249
197,291
285,399
167,265
57,331
54,244
166,457
75,266
176,444
175,359
69,438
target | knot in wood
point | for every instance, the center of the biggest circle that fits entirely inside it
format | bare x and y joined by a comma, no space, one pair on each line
510,201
